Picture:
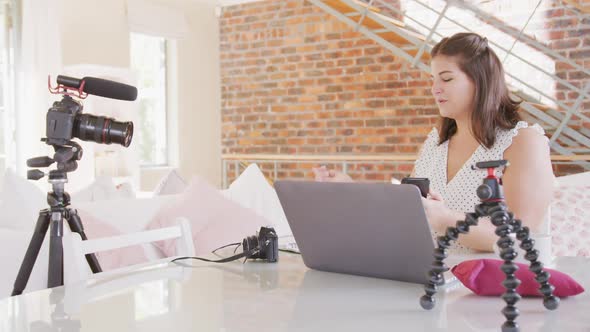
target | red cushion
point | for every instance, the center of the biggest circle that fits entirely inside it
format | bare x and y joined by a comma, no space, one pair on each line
484,277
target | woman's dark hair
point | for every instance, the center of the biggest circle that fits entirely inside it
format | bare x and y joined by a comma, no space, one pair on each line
493,107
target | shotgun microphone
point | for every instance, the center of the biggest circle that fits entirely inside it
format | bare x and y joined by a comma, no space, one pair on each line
100,87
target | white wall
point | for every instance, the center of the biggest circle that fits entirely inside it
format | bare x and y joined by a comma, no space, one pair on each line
200,95
96,32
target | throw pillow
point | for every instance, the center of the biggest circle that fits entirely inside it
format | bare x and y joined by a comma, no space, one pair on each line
251,190
570,220
112,259
215,220
171,184
20,202
484,277
103,188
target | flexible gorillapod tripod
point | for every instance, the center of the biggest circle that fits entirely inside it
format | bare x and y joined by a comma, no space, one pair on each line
492,204
59,201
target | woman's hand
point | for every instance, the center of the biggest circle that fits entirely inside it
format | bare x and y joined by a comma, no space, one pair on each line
438,214
441,217
322,174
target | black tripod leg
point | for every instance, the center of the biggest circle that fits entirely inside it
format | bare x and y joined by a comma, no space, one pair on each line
550,301
32,252
76,226
56,251
502,219
435,277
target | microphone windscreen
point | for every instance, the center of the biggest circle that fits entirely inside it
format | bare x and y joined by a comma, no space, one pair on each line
69,81
109,89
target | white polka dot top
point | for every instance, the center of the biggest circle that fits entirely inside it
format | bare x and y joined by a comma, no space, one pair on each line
460,193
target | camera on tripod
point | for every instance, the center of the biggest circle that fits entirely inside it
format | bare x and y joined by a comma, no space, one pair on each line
66,121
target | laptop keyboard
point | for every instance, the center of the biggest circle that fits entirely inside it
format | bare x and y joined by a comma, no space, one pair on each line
288,243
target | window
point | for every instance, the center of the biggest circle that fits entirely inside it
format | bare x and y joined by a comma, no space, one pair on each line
7,152
149,61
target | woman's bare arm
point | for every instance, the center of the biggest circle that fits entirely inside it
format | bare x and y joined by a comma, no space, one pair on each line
528,188
529,180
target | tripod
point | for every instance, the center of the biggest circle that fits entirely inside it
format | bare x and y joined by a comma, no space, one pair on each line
492,204
52,218
60,320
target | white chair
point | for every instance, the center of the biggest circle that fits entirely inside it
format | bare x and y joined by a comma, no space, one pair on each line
80,293
75,249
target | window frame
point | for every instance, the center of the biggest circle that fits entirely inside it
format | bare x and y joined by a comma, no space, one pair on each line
171,104
7,48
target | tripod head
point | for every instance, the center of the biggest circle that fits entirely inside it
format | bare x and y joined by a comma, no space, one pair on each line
66,157
491,188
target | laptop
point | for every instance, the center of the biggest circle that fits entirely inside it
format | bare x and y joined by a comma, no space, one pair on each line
366,229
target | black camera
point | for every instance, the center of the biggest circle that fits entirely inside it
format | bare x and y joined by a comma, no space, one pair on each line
65,119
264,245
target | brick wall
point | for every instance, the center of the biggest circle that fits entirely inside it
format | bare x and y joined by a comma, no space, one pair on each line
295,80
569,34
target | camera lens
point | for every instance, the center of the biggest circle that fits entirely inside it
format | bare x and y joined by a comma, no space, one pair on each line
103,130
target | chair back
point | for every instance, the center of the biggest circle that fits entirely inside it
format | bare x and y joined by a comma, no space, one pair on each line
75,249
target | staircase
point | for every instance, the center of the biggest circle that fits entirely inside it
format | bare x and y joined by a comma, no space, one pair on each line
567,137
581,5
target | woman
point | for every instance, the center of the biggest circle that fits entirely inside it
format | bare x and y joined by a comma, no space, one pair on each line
479,122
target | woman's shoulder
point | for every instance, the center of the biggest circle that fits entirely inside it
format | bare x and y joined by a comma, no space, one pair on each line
525,127
433,135
525,138
427,154
522,134
431,142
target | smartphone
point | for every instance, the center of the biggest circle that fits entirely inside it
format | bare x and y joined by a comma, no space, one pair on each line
422,183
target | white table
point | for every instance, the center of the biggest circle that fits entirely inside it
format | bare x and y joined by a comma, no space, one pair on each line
258,296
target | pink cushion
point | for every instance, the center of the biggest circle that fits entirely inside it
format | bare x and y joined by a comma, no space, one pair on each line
171,184
570,220
215,221
484,277
111,259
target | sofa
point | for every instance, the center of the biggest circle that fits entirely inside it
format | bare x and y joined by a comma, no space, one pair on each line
107,210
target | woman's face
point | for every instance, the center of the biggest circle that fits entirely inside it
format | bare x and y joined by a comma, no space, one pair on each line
452,89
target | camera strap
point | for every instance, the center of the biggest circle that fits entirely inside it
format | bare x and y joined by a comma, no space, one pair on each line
247,254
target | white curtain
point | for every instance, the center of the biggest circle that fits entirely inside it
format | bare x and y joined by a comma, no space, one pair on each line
38,55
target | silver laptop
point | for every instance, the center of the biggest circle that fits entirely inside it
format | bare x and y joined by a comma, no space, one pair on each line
367,229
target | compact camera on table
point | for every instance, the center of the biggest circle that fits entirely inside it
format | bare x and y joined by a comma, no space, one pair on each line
264,245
